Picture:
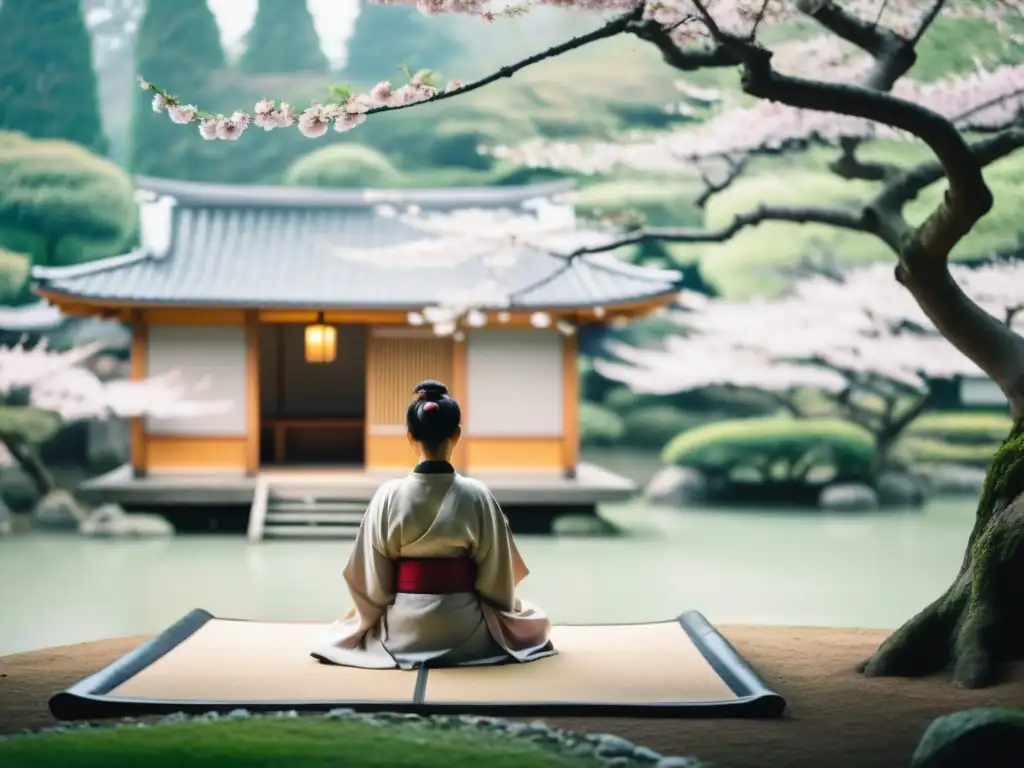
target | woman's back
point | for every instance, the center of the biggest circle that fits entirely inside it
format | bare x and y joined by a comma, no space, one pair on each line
434,569
431,514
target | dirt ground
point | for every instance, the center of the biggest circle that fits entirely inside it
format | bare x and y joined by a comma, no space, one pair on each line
835,717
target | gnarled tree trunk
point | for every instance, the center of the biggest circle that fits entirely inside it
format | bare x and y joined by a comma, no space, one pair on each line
30,464
979,621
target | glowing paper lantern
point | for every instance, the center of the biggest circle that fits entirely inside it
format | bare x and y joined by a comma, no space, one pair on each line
321,341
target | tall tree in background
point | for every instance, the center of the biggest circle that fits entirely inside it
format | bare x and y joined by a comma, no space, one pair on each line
112,25
282,40
385,36
47,83
178,43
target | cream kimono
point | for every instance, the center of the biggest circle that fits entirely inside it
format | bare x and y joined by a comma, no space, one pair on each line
439,514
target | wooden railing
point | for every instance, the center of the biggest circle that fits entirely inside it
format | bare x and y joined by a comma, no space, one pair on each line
281,426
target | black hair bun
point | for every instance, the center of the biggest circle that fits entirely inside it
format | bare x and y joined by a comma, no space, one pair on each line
430,390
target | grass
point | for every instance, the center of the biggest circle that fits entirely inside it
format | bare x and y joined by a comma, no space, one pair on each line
309,742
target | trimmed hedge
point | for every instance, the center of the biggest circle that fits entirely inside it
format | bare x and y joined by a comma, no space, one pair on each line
61,204
344,165
654,426
599,425
740,443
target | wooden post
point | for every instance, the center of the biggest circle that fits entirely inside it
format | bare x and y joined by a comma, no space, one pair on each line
140,366
460,391
252,393
570,407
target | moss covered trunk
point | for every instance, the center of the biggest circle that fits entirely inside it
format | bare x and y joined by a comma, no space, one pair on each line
979,621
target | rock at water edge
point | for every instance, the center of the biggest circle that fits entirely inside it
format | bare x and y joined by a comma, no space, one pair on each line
676,487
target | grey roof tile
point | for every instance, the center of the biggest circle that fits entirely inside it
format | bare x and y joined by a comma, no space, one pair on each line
242,246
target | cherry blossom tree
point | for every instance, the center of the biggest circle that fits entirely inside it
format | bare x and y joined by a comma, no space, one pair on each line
856,337
41,388
847,93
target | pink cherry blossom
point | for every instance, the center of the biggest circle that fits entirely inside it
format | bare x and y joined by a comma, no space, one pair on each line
182,113
231,128
208,128
59,382
816,336
382,94
159,103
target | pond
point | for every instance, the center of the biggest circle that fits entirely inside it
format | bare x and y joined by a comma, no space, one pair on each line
772,567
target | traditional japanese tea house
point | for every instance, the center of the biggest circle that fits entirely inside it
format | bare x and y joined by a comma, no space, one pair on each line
296,304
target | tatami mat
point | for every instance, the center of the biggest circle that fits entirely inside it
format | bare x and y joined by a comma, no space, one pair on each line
682,667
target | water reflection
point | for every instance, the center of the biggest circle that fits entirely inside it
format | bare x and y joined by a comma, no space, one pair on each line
774,566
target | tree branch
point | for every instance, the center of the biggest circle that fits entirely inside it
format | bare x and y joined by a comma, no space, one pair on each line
688,60
712,188
849,166
834,216
893,55
906,186
927,20
923,251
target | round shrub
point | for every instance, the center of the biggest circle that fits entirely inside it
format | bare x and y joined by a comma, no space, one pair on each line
63,205
653,426
344,165
14,270
963,427
622,400
598,425
753,444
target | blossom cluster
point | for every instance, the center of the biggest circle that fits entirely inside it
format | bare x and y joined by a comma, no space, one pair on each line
58,381
985,99
312,122
494,241
685,19
825,334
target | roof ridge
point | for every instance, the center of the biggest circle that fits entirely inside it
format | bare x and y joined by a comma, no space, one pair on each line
90,267
609,263
240,195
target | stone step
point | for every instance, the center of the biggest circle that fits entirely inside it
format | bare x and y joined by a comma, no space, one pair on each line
348,507
310,531
324,493
313,516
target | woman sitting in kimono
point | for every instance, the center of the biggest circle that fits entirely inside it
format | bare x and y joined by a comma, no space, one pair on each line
434,570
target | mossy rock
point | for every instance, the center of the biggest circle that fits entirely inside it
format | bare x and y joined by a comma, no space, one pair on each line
993,738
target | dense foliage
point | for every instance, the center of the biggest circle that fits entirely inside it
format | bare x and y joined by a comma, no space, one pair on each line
282,41
181,41
60,204
48,89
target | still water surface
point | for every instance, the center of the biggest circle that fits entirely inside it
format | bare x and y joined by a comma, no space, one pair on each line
772,567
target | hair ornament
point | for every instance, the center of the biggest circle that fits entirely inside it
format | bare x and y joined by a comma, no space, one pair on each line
431,406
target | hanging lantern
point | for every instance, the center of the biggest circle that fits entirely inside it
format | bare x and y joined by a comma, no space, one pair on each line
321,341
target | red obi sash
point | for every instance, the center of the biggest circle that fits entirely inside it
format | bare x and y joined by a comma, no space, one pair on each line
435,575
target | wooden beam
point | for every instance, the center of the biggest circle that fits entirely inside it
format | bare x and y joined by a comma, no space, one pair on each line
140,366
459,386
196,316
570,407
252,393
178,312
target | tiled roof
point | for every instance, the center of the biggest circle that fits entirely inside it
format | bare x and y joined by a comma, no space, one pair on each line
292,247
